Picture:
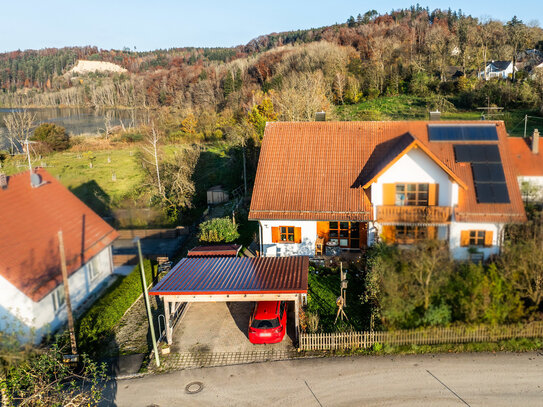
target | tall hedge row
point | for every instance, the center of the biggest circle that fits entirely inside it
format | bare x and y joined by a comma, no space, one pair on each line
98,322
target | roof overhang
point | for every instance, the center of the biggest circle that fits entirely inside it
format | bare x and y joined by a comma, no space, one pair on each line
416,144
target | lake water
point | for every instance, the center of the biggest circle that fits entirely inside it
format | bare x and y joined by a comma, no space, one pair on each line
76,121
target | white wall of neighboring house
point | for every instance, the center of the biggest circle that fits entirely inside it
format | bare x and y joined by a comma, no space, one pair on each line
41,316
462,253
534,182
305,248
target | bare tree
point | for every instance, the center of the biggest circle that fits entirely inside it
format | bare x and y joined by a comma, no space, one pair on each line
151,155
19,125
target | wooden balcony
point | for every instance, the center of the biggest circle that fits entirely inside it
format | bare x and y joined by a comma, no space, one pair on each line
413,214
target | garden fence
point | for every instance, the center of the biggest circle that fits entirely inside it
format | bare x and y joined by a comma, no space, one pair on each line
427,336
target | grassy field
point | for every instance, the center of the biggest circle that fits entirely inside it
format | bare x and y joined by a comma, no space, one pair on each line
95,186
406,107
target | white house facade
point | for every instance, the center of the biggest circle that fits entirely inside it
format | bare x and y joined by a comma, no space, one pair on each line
31,320
32,213
498,69
413,188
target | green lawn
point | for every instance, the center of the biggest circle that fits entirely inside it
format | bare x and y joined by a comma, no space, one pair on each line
94,186
324,289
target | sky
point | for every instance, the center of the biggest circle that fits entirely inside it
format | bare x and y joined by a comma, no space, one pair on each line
154,24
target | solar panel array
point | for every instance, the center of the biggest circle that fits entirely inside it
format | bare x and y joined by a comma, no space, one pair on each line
487,170
471,132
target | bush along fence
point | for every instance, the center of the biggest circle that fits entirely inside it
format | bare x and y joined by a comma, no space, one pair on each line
427,336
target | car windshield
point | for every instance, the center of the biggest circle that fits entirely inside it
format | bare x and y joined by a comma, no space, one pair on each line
265,323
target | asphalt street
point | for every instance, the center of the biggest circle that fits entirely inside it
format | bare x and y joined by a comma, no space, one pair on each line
472,379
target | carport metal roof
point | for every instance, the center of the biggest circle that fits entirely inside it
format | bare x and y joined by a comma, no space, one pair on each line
234,276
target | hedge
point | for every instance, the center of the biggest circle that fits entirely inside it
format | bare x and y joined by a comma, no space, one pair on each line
96,325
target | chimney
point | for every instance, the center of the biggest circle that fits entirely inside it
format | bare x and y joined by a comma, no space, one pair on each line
3,181
435,116
535,142
320,116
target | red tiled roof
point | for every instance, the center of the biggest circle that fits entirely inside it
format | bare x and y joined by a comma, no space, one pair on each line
235,275
30,219
316,170
525,162
224,250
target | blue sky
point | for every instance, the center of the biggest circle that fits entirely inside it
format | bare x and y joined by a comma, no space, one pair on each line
152,24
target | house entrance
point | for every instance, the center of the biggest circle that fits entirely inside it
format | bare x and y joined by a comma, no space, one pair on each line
347,235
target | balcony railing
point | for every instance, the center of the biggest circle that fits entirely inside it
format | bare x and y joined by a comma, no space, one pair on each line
413,214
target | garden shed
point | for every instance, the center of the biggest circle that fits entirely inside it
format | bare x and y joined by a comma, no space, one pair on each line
217,195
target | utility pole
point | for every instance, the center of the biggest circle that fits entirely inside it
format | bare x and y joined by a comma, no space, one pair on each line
525,124
67,292
244,173
147,304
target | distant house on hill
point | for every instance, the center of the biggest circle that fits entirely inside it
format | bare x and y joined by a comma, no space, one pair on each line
528,162
30,270
498,69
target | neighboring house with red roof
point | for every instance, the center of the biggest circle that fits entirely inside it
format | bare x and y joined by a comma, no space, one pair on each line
528,162
346,185
30,272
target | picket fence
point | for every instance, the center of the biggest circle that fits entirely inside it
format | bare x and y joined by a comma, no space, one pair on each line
427,336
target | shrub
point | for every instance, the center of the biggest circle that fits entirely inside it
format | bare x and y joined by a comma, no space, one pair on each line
218,230
98,322
480,294
54,137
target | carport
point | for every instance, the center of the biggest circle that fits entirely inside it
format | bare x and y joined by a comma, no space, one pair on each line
215,279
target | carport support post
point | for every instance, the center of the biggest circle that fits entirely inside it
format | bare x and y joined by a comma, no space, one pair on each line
167,320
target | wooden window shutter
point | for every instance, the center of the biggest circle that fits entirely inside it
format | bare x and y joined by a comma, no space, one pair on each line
275,234
488,238
433,195
389,233
297,235
389,194
323,229
432,232
464,238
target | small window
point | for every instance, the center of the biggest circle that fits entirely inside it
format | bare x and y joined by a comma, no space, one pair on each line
93,270
286,234
58,298
477,238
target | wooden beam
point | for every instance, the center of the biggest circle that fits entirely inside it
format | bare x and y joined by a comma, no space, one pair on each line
232,297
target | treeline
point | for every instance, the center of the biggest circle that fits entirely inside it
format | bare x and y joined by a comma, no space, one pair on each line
412,51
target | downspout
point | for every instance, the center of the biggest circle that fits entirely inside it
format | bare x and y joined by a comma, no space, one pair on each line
260,238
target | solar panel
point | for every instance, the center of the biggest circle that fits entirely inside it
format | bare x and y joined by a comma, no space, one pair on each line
492,192
460,132
477,153
488,172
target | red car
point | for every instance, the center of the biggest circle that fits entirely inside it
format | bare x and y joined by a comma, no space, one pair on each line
269,322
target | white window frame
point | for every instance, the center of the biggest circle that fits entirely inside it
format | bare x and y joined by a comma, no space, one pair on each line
59,301
93,271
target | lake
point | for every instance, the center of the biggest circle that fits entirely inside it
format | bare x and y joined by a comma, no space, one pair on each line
77,121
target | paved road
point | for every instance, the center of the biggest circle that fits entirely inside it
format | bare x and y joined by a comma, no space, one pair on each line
418,380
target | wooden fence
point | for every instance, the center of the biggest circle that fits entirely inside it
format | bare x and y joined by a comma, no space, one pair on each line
428,336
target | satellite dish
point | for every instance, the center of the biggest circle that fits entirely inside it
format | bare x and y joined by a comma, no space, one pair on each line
35,180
